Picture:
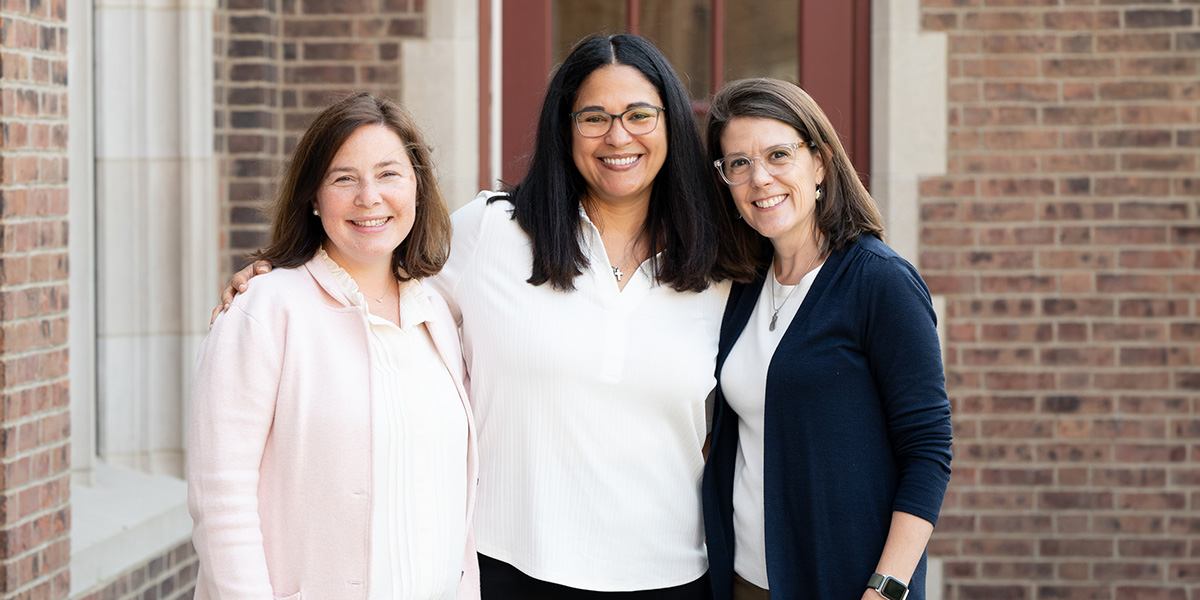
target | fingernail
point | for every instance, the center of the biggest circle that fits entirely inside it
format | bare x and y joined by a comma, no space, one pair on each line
241,288
262,269
227,304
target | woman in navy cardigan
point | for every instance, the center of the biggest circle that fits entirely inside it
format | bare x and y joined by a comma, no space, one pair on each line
831,441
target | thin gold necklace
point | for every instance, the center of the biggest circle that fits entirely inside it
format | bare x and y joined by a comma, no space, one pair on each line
775,280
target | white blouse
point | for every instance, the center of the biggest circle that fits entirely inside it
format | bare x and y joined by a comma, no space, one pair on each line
418,453
744,384
590,408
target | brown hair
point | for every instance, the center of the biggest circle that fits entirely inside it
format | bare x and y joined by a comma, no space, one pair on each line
845,211
296,233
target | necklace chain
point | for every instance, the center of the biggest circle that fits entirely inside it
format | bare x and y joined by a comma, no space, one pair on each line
775,280
617,267
379,299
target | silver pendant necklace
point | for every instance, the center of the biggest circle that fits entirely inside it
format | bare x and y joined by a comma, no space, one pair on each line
775,281
617,268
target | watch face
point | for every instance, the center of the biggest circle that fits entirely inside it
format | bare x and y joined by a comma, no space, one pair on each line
893,589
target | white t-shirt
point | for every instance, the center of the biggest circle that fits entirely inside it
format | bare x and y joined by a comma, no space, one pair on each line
589,406
418,454
744,384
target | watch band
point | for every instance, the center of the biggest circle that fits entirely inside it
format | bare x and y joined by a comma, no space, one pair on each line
887,586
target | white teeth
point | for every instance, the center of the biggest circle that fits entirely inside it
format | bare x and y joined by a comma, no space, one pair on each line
371,223
619,162
769,202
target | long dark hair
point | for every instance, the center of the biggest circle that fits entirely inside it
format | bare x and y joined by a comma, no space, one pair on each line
296,233
684,220
845,211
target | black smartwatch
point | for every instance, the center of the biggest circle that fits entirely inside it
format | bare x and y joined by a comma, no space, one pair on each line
889,587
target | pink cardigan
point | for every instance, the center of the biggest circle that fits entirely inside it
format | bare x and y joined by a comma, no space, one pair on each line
279,443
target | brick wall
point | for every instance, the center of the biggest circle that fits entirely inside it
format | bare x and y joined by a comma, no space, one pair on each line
1066,239
34,418
281,61
171,576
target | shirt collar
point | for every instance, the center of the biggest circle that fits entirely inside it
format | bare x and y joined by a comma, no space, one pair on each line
415,307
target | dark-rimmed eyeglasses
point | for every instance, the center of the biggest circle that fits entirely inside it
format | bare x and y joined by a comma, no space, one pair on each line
638,120
737,169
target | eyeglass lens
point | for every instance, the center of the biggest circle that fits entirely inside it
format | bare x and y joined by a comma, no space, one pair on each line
638,121
777,161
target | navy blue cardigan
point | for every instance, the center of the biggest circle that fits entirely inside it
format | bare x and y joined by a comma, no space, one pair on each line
857,426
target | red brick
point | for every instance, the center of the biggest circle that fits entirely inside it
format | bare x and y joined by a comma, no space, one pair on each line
318,28
1000,20
1159,66
1153,211
1158,380
1124,523
1071,332
1185,235
1091,116
1076,548
1020,92
1017,570
1156,259
1134,90
996,500
340,51
1078,162
1155,115
1134,42
986,115
1153,308
1130,235
1020,43
995,591
1054,500
1131,283
1075,259
1079,67
1068,307
1152,501
1128,331
997,404
1158,18
1074,91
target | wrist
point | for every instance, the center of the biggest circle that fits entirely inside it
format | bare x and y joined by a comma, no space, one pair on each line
888,587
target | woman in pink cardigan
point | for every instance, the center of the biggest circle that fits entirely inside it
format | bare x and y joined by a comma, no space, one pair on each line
330,450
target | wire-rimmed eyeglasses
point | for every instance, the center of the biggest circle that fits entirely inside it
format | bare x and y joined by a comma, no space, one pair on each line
638,120
737,169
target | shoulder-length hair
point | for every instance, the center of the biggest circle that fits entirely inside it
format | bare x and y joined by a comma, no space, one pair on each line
684,220
845,210
296,233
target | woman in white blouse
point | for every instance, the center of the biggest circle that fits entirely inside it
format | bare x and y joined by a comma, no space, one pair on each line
330,451
590,313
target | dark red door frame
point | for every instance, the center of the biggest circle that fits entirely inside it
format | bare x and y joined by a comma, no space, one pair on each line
485,95
834,66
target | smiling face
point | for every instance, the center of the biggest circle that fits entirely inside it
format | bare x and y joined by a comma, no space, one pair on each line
367,200
619,167
780,207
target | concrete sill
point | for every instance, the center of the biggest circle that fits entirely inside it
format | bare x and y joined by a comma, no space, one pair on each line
121,520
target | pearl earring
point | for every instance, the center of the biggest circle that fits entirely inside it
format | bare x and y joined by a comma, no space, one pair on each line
818,198
316,213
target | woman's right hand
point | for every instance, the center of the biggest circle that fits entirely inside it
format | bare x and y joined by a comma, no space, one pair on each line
237,285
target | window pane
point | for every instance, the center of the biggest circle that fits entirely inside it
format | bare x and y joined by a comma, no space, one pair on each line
762,39
682,29
577,19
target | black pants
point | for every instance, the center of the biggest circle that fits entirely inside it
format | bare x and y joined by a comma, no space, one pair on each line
501,581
